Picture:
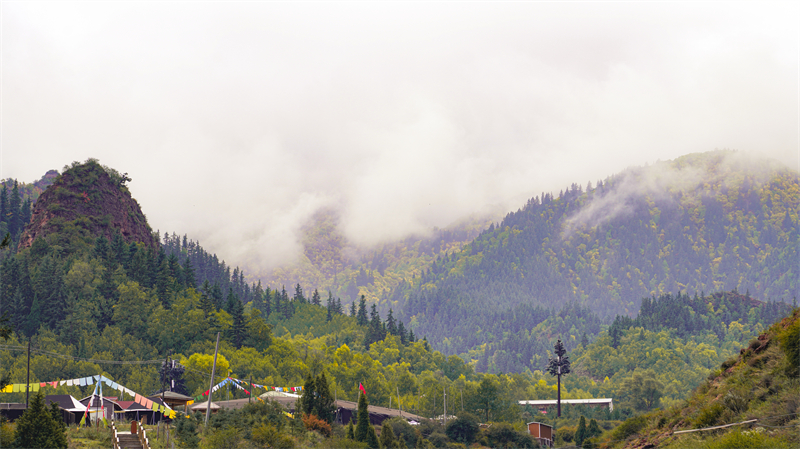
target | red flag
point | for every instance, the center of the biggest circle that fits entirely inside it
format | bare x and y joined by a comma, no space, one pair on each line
361,387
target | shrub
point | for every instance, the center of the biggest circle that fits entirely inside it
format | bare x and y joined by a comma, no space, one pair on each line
743,439
790,344
267,435
223,438
313,423
402,430
503,435
629,427
709,415
464,429
438,439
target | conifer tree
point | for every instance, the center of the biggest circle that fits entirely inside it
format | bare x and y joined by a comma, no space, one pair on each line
14,216
38,428
238,328
298,294
315,299
387,438
391,324
188,273
362,420
325,408
308,401
580,433
361,317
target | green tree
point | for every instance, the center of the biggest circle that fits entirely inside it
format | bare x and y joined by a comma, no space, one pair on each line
325,409
238,330
463,429
644,391
37,427
580,434
387,438
487,393
361,316
362,420
308,401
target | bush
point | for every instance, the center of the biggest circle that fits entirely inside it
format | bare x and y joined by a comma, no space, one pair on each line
186,431
438,439
629,427
709,415
744,439
313,423
267,435
464,429
503,435
790,344
224,438
402,430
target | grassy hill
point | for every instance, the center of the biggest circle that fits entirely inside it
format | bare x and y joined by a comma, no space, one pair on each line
761,383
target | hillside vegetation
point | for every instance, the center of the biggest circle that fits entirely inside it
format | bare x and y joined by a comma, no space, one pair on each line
706,222
762,383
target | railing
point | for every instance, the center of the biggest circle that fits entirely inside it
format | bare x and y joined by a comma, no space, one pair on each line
143,437
114,436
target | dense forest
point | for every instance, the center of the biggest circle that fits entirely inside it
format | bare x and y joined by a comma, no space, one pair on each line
92,300
702,223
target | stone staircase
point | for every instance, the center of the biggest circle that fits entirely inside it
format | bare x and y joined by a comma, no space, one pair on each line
128,440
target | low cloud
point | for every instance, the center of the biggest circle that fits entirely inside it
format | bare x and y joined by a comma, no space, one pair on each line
237,121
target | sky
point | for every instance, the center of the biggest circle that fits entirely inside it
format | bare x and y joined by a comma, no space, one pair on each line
238,120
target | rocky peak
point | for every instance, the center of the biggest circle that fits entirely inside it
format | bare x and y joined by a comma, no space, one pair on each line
89,200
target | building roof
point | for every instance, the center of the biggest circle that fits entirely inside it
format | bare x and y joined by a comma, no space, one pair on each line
272,394
133,406
65,401
202,406
608,401
171,396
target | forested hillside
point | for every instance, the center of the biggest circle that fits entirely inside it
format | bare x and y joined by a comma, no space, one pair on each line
332,262
708,222
92,300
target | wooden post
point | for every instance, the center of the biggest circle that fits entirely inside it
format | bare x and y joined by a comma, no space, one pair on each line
213,372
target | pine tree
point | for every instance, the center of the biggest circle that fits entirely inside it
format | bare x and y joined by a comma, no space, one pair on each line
14,216
401,330
188,273
298,294
315,299
238,328
353,309
351,434
387,437
361,316
325,408
580,434
362,420
391,324
38,428
308,401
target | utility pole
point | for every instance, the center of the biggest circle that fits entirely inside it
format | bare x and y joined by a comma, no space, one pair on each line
163,380
28,382
213,372
444,402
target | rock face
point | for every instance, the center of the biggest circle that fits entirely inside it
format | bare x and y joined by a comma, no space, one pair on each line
87,201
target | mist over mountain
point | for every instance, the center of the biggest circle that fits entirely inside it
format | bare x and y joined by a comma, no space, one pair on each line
701,223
